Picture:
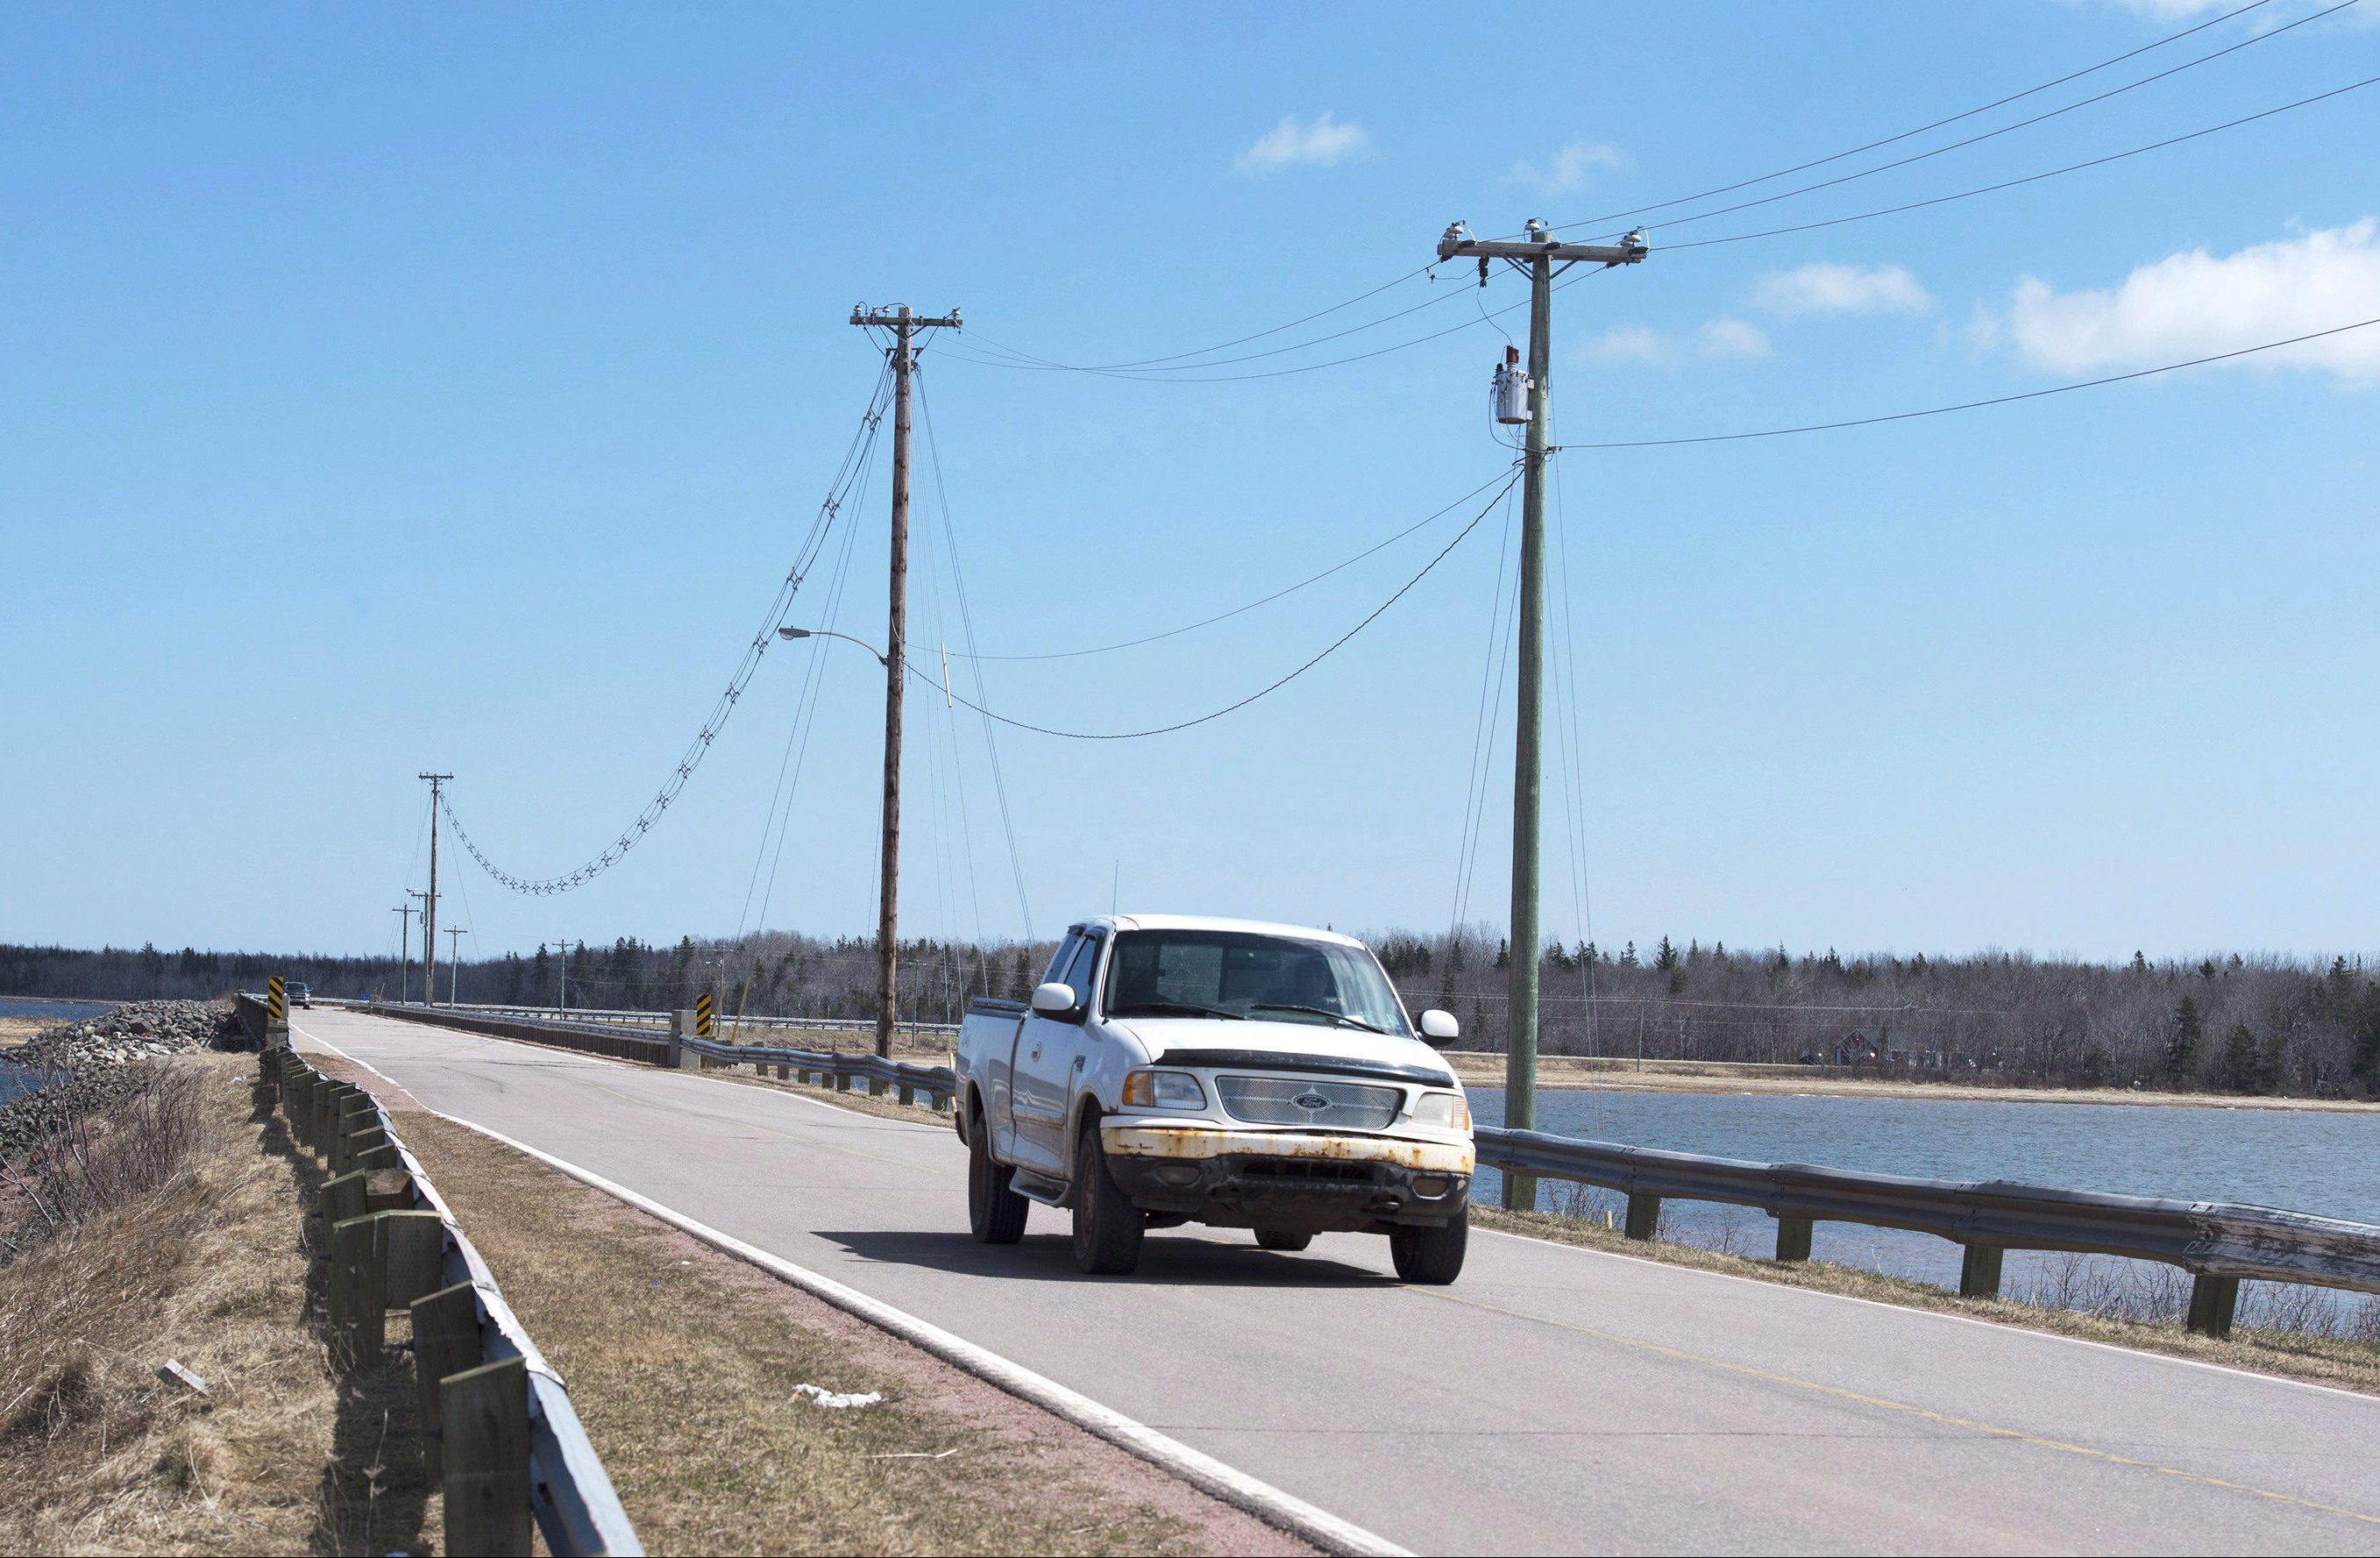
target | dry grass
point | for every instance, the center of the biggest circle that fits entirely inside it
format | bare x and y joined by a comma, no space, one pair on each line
16,1031
208,1265
682,1364
2351,1365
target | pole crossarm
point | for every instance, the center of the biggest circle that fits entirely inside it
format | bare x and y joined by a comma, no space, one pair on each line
1458,244
893,319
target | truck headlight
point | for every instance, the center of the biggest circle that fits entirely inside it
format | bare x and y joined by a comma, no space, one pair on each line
1163,1090
1450,1110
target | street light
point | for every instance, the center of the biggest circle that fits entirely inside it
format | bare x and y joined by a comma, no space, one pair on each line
828,633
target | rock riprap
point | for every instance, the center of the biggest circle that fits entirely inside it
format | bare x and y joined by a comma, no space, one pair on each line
91,1062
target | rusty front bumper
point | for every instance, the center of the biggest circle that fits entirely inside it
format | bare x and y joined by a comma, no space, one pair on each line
1298,1181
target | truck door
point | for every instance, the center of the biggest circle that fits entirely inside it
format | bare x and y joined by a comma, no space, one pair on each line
1048,1051
1000,1058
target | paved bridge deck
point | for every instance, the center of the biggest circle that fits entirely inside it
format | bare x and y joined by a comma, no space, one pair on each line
1555,1400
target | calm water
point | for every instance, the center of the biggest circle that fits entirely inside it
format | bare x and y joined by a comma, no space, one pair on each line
2304,1161
42,1006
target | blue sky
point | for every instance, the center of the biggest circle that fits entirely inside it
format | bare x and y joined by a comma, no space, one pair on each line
448,387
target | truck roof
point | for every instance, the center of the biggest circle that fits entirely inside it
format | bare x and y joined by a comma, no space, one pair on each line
1212,923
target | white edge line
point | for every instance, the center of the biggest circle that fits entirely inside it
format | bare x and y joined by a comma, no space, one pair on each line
2004,1325
1202,1471
1234,1486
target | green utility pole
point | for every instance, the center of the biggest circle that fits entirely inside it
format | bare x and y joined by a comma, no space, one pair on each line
1541,257
905,325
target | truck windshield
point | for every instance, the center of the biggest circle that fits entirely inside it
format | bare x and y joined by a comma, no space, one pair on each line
1241,973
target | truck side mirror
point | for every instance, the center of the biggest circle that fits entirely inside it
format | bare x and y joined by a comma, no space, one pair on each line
1440,1028
1054,1000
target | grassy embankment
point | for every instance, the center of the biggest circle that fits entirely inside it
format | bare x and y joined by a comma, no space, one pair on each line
183,1234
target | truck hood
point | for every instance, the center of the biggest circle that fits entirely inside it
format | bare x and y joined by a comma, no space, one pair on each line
1286,1046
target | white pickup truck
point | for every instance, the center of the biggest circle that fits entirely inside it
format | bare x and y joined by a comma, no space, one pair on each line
1171,1069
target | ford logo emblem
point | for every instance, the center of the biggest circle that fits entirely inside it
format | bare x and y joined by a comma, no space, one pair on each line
1313,1103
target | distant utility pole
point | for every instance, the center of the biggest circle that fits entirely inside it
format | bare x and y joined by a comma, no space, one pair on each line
404,952
904,327
454,960
422,913
429,914
561,975
1541,256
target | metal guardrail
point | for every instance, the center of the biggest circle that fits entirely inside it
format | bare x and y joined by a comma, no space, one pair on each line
570,1495
623,1017
2221,1245
837,1070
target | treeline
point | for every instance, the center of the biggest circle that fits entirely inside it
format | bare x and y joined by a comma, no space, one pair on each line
2224,1023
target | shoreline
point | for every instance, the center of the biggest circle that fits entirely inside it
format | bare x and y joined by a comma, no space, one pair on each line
1573,1074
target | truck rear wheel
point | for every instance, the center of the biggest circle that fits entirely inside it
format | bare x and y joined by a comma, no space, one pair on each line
1288,1243
995,1212
1108,1227
1431,1257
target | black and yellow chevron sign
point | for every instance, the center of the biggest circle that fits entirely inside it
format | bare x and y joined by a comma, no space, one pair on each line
704,1025
277,1000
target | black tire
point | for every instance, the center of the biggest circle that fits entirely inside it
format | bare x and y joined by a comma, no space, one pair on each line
1431,1257
995,1213
1108,1227
1288,1243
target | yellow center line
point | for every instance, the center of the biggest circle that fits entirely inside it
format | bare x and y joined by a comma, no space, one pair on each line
789,1136
1883,1404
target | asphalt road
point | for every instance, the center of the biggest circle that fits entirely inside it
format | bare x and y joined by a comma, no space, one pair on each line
1555,1400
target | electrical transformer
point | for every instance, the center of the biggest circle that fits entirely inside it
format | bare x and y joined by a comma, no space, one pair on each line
1512,389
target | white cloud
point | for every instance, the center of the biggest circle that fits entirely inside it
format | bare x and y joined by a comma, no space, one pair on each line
1568,170
1291,144
1633,342
1822,287
1733,337
1724,338
2194,304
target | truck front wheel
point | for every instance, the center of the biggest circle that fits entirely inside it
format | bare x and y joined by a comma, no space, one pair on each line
1431,1257
1108,1227
995,1212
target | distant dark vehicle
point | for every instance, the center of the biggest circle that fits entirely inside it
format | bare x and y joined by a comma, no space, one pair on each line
297,994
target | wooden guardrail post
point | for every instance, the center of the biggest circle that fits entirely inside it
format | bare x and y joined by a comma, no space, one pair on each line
445,1341
483,1421
1643,1214
1979,1271
413,1246
2213,1302
1793,1238
373,1158
359,1290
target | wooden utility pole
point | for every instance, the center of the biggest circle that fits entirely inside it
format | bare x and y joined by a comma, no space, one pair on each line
429,904
904,327
422,914
1540,257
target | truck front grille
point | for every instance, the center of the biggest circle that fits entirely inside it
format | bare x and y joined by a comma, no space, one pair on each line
1281,1101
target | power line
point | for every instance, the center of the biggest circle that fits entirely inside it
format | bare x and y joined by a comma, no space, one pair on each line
1904,135
854,460
2030,178
2005,129
1976,405
1275,687
1237,611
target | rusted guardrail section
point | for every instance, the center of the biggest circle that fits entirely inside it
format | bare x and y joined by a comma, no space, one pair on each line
938,1083
505,1442
2221,1245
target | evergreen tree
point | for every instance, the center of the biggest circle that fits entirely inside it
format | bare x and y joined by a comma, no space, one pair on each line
1628,955
2182,1039
2242,1068
1665,956
1503,954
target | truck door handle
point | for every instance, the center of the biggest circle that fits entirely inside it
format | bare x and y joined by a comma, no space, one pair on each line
1036,1053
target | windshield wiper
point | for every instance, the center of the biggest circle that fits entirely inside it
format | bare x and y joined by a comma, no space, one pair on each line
1317,1011
1159,1008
